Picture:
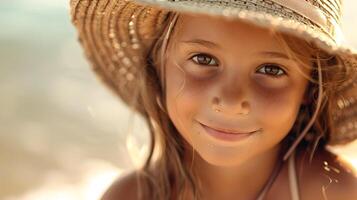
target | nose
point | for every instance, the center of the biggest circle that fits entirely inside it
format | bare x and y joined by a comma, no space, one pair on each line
241,108
232,98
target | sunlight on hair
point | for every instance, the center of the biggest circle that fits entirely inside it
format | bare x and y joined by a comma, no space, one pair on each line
351,160
137,152
96,176
347,153
137,137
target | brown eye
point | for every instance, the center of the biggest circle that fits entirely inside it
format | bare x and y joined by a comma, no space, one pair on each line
272,70
204,59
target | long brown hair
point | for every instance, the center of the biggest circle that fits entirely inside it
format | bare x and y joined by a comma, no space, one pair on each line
165,175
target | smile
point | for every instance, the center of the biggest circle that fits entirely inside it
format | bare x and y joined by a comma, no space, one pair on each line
227,135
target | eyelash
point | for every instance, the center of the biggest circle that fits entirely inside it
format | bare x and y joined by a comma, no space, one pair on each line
273,65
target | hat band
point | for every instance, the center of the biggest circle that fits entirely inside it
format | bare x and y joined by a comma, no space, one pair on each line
314,14
305,9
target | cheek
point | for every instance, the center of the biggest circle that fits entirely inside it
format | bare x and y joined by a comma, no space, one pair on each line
184,97
181,91
278,109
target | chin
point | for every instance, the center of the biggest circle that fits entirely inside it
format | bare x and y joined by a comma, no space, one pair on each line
223,162
223,157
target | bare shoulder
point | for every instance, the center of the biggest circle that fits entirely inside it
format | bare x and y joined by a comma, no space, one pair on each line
326,177
125,187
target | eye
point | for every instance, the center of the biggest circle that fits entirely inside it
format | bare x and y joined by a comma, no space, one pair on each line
272,70
204,59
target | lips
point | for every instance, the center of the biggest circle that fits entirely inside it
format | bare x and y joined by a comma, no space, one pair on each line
226,135
228,131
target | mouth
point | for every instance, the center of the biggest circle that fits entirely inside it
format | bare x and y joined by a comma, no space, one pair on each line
227,135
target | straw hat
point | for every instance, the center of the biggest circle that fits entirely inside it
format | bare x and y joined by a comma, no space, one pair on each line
118,34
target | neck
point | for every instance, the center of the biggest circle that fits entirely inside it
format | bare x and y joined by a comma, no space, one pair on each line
243,181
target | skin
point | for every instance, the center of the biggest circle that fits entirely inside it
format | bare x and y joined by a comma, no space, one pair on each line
238,170
233,72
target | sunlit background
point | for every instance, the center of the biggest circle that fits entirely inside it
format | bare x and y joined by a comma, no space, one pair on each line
62,134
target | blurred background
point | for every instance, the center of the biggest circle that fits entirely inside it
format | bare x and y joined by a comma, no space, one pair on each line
62,134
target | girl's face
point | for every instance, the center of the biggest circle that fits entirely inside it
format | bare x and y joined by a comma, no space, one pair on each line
231,76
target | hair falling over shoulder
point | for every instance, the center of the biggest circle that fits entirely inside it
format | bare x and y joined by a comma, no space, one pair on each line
166,173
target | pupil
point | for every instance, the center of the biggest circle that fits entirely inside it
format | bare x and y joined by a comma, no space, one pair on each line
203,59
272,69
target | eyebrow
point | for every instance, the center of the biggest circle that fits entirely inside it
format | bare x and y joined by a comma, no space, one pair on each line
272,54
201,42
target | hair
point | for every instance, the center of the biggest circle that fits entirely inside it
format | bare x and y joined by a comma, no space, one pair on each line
165,174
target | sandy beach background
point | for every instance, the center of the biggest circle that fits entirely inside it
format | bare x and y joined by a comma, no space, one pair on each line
62,134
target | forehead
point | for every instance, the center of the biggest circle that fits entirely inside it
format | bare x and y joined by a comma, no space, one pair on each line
229,34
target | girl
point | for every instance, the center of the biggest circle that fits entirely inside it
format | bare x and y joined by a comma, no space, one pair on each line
241,97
